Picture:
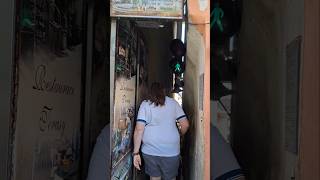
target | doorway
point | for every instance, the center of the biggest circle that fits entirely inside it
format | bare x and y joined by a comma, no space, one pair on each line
141,56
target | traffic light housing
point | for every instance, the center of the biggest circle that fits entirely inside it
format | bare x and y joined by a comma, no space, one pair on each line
177,66
177,48
225,20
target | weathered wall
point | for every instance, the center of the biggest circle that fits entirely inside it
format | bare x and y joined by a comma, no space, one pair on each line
191,103
309,157
258,126
196,101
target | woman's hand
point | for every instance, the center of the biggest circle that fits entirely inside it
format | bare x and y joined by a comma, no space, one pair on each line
137,161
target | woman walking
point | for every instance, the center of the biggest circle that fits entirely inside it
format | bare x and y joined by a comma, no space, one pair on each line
157,134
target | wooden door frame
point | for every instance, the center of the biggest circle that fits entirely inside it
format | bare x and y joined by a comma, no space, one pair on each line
309,159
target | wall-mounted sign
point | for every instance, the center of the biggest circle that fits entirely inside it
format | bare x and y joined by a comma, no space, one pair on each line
124,101
168,9
47,127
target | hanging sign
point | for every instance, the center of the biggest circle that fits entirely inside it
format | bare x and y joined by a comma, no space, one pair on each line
167,9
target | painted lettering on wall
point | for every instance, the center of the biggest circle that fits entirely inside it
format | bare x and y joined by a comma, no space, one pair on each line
43,83
47,124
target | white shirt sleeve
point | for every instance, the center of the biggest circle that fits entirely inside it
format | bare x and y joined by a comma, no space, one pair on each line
142,113
179,112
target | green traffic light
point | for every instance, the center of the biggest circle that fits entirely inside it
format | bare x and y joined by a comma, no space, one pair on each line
177,67
217,14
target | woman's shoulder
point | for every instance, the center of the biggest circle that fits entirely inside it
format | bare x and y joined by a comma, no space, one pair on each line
144,103
171,100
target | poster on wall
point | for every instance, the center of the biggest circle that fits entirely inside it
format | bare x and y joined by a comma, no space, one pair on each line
47,134
143,73
170,9
124,100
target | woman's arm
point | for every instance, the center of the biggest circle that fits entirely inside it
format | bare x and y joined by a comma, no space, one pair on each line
137,138
183,125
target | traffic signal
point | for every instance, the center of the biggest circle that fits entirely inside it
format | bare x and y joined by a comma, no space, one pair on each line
179,81
177,66
177,48
177,89
178,84
225,20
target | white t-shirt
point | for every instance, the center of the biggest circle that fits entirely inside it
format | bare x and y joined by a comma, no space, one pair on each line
161,136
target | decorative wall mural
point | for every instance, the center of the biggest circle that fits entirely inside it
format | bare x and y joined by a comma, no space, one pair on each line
49,54
124,113
123,172
124,99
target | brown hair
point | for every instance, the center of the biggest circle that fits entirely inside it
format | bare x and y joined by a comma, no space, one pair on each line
157,94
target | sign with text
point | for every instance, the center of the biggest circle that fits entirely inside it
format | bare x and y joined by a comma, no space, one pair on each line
168,9
47,125
124,100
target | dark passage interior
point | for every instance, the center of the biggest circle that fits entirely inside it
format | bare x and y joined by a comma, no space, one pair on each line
255,83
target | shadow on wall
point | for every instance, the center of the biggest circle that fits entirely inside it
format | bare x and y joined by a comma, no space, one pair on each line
158,41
